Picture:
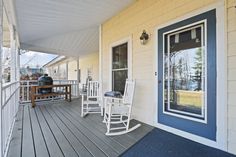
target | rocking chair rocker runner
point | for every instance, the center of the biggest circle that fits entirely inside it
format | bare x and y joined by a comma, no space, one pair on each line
92,104
118,111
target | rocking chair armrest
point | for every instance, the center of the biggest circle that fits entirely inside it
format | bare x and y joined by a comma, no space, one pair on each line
114,103
113,99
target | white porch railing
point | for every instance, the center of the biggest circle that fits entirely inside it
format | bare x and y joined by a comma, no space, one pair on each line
25,88
9,108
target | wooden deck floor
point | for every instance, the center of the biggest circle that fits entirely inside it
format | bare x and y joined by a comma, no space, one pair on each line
55,129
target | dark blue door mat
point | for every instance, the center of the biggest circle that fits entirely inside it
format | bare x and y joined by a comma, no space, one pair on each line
159,143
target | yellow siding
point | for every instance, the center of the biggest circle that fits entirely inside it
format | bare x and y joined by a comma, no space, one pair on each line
60,69
143,14
57,71
89,62
231,30
86,62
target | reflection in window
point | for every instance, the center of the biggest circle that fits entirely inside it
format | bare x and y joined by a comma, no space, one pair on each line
6,65
184,72
6,51
119,67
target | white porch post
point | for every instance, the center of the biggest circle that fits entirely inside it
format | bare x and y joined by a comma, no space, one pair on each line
13,54
78,77
78,73
17,64
67,72
100,64
1,40
58,72
17,75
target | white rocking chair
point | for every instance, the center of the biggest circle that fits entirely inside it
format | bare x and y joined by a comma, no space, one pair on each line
118,111
92,104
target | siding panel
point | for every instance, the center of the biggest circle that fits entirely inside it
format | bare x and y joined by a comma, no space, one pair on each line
231,23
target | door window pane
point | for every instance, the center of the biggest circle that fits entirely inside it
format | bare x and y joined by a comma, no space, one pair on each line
184,72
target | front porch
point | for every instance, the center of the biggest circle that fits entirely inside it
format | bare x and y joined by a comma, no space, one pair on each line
182,56
55,128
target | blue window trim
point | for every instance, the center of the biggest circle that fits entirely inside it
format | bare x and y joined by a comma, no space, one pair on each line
207,130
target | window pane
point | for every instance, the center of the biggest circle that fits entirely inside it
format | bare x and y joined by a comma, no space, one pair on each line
184,73
119,57
6,51
118,79
6,65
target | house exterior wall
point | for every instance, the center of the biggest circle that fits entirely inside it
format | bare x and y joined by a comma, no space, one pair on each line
148,15
141,15
58,70
231,34
89,65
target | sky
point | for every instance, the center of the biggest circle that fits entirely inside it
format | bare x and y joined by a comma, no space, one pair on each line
35,59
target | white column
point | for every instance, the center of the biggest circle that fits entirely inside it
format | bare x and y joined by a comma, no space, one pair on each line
1,39
78,71
13,54
67,72
100,63
58,72
17,64
17,76
78,78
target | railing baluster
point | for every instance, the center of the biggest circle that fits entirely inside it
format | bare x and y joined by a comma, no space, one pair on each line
8,109
27,87
23,92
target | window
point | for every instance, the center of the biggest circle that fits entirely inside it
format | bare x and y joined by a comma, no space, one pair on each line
6,51
6,65
185,72
119,67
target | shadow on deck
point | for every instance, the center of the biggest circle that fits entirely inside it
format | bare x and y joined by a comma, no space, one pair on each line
56,129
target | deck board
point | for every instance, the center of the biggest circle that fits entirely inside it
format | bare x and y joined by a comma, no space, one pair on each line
50,140
106,148
55,129
39,140
78,146
90,146
15,144
100,134
127,140
28,142
62,141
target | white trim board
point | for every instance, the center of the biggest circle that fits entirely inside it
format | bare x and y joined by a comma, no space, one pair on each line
203,24
130,58
221,134
100,62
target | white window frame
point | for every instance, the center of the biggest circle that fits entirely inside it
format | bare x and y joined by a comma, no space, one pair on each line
127,40
204,36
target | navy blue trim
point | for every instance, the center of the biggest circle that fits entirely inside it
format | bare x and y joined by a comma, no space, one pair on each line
204,130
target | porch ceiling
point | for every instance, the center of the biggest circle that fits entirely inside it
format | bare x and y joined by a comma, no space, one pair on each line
63,27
